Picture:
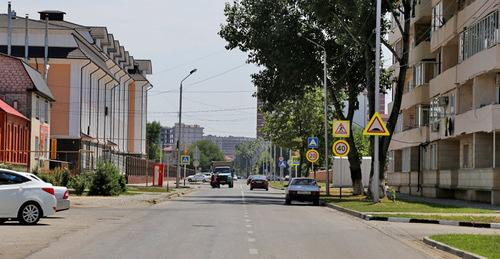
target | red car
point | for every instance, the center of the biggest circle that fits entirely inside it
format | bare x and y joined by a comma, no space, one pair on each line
259,182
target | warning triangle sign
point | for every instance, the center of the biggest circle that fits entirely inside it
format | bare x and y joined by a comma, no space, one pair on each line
341,129
376,127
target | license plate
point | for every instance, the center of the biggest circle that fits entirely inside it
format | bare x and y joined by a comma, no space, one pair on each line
302,192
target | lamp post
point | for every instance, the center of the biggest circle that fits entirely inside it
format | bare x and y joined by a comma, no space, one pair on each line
325,92
179,135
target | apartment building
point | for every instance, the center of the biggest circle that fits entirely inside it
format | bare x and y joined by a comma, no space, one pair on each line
227,144
99,87
190,134
446,144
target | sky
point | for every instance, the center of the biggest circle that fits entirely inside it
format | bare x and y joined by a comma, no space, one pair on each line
178,36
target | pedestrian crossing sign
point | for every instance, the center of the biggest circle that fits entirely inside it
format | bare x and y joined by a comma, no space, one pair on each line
185,160
376,127
341,129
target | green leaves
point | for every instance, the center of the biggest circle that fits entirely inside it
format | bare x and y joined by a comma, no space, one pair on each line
208,152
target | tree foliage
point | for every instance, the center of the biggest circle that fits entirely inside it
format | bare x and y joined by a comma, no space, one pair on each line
153,145
209,152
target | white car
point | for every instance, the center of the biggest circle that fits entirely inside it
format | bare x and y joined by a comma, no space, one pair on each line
23,199
62,193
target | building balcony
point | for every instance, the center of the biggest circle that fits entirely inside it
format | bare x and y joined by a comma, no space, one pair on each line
420,52
480,63
470,13
423,12
394,34
485,119
409,138
443,83
415,96
446,33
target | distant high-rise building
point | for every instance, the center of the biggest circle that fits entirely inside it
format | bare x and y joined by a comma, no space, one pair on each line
167,136
190,134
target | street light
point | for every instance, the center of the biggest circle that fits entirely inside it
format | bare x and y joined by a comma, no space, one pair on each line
179,137
325,109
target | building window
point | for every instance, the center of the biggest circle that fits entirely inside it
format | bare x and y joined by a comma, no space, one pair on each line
433,157
479,36
37,147
465,156
436,110
46,111
423,115
406,160
37,108
15,104
437,17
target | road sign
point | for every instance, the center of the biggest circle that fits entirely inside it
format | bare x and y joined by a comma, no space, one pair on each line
196,163
185,160
341,148
312,156
295,160
341,129
282,164
376,127
312,142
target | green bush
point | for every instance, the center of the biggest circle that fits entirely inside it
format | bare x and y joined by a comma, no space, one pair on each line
57,177
123,183
106,180
79,183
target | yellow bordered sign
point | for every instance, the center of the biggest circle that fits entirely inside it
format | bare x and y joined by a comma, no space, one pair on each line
341,129
312,156
376,127
341,148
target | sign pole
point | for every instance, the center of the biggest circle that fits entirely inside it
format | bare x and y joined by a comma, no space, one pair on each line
341,177
184,175
168,171
376,173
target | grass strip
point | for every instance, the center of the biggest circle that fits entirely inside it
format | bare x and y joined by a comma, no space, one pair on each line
484,245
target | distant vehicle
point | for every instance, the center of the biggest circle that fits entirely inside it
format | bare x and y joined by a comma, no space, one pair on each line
223,172
24,199
249,179
196,178
235,178
62,194
207,177
302,189
259,182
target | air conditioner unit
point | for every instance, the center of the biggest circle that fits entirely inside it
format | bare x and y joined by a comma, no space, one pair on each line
443,100
435,126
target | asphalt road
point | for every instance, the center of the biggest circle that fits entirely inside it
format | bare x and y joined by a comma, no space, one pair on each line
239,223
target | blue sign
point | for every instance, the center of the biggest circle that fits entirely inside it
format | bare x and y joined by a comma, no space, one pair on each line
185,160
312,142
282,164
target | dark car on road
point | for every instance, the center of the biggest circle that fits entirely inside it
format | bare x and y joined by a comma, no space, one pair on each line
259,182
302,189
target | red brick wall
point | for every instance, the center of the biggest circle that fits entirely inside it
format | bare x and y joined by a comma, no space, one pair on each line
14,81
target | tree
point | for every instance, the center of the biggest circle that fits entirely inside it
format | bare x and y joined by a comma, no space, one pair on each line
246,156
269,30
293,121
208,152
153,130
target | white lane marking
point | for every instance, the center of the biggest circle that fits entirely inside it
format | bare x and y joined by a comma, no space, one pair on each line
251,240
248,226
250,232
246,215
253,251
247,220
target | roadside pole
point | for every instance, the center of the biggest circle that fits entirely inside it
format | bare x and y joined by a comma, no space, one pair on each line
184,175
376,173
168,170
341,177
281,169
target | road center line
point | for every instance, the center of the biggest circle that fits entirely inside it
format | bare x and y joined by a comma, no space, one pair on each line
253,251
251,240
248,226
250,232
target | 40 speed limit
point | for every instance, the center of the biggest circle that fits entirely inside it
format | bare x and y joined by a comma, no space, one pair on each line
341,148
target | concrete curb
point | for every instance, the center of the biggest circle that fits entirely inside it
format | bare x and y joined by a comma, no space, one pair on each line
450,249
411,220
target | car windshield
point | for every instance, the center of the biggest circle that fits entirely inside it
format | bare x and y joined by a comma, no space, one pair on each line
222,170
259,177
310,182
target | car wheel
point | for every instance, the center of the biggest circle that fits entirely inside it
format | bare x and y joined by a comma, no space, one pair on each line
267,189
29,214
288,201
251,188
316,202
3,221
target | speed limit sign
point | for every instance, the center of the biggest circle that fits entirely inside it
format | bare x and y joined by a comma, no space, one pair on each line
341,148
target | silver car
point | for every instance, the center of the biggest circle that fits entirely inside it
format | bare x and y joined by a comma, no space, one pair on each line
61,192
302,189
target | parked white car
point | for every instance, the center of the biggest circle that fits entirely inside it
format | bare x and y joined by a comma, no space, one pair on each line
62,193
23,199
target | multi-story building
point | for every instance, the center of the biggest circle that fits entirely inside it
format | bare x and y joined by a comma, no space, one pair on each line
227,144
446,144
99,88
167,136
190,134
24,89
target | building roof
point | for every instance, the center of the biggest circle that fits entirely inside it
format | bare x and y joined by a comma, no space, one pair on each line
39,84
10,110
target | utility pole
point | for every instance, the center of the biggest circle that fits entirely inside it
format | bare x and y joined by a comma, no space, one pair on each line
376,169
46,50
281,169
179,137
9,28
